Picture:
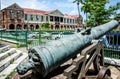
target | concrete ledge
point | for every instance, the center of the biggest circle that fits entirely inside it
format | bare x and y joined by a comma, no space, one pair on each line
5,48
13,66
7,61
112,61
7,53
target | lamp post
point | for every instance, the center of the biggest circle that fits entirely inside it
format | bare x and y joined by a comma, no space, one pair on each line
26,34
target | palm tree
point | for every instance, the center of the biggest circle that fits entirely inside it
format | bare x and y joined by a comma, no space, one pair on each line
78,7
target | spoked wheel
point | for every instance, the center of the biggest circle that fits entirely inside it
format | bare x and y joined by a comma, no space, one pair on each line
104,74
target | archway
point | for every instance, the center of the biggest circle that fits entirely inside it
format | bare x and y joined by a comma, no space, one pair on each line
61,26
71,27
31,27
51,26
3,26
25,26
37,26
67,27
19,26
11,26
56,26
76,26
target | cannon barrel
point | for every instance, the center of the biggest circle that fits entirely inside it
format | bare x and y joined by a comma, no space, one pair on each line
45,58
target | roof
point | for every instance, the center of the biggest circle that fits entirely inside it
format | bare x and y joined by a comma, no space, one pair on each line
71,16
34,11
14,6
43,12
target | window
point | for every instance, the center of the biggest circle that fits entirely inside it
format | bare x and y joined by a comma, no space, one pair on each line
67,20
51,18
18,15
73,21
42,18
70,20
31,17
64,20
37,18
46,18
3,16
11,14
61,19
26,17
57,19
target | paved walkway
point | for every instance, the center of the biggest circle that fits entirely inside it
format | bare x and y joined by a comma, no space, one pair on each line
23,49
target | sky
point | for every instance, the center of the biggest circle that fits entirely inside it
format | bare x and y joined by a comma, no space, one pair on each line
65,6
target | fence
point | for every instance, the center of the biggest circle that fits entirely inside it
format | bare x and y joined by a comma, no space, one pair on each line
29,39
21,38
113,49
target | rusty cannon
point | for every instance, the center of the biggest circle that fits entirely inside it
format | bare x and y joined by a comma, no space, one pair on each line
45,58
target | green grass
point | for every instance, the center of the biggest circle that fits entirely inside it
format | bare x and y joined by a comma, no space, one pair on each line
59,30
11,74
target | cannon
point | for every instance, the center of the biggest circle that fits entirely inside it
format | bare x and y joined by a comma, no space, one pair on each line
45,58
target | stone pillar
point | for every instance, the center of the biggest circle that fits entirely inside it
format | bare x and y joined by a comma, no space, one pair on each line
48,18
59,19
54,26
15,26
7,26
59,26
53,18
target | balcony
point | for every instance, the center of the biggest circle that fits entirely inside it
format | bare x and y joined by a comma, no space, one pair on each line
56,22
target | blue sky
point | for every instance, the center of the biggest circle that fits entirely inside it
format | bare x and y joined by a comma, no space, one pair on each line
65,6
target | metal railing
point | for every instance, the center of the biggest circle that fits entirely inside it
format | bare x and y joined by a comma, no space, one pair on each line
113,49
23,38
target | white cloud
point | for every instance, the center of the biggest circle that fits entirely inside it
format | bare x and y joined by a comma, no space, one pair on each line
69,6
72,7
63,4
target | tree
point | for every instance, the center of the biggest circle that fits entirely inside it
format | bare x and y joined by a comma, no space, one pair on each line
45,25
117,17
97,12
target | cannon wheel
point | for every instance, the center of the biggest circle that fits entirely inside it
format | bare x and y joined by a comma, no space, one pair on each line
104,74
96,64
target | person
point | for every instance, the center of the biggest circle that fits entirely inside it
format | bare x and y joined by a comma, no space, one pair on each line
105,41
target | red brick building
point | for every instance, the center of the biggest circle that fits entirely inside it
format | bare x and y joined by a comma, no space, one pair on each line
14,16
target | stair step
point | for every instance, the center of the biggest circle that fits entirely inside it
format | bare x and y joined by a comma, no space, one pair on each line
7,53
5,48
7,61
12,66
112,61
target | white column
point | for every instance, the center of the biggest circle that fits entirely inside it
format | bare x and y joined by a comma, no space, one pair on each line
48,18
